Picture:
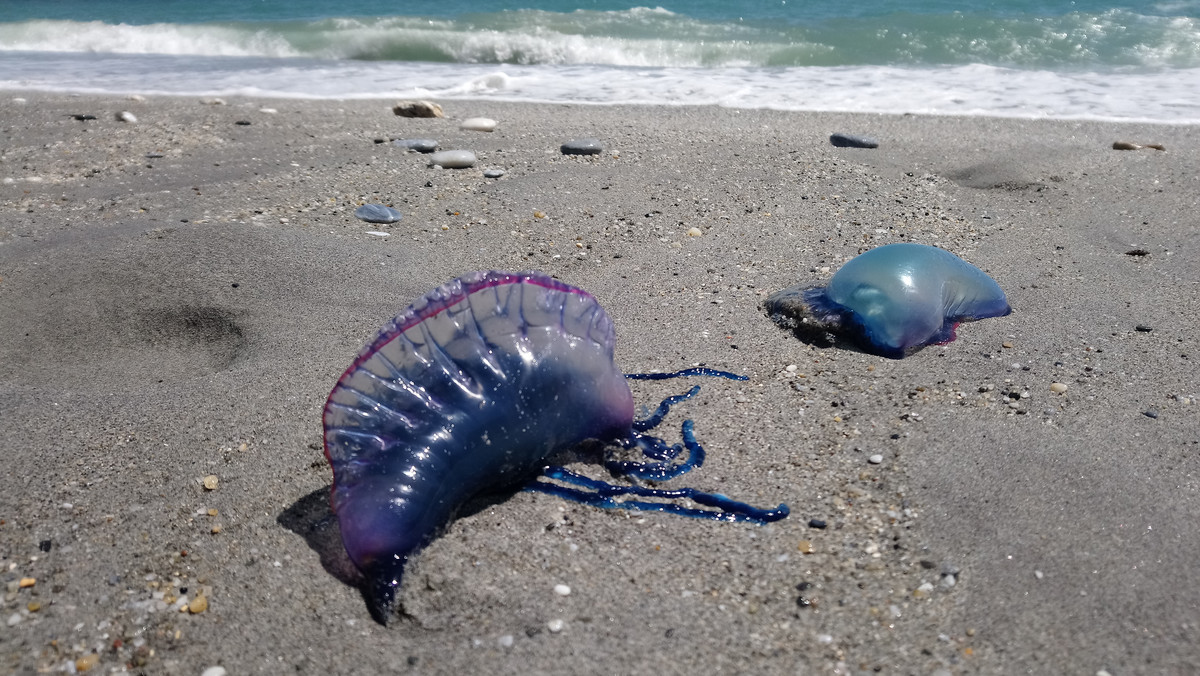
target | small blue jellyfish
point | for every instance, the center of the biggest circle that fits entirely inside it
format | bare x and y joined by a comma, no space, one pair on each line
893,300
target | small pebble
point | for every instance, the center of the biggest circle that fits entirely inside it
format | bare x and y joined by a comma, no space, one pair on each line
805,546
582,146
478,124
243,123
506,641
417,109
452,159
875,459
210,482
562,590
841,140
126,116
493,173
421,145
27,582
1151,413
14,619
816,523
198,605
33,606
1058,388
87,662
268,111
214,671
376,213
1142,328
694,232
555,626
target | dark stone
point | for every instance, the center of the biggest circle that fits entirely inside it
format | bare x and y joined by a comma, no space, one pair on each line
582,146
1142,328
851,141
44,545
816,523
1151,413
243,123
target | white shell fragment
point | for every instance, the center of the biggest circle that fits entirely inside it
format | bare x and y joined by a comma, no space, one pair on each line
452,159
126,116
478,124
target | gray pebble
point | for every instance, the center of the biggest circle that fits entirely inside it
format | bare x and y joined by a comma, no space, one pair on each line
377,213
851,141
582,146
493,173
421,145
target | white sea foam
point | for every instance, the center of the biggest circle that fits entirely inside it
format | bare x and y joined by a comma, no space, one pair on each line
957,90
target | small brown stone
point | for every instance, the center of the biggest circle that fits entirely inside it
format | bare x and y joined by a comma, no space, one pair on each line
805,547
33,606
417,109
198,605
27,582
87,662
210,482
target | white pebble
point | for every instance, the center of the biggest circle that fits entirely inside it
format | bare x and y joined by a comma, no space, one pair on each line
694,232
555,626
562,590
268,111
126,116
478,124
1039,574
791,368
824,638
377,233
14,619
875,459
452,159
214,671
505,641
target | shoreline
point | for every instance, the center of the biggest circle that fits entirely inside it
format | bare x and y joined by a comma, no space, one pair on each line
167,318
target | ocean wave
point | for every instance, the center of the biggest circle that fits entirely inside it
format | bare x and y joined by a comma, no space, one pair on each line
654,37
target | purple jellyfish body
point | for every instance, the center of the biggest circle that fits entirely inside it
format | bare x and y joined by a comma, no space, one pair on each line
469,391
893,300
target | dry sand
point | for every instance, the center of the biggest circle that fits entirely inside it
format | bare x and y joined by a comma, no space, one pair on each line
167,318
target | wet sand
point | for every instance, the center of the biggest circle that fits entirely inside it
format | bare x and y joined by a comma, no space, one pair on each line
177,297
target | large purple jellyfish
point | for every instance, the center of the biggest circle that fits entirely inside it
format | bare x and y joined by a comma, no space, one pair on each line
470,390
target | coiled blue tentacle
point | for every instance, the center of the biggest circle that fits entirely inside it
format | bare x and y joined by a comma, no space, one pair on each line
603,494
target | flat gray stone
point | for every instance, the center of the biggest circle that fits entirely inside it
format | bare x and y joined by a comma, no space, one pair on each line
377,213
493,173
421,145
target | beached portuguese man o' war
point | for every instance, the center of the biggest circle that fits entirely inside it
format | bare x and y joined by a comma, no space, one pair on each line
893,300
470,390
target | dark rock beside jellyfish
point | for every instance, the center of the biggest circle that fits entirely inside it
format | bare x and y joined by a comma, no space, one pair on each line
469,391
892,300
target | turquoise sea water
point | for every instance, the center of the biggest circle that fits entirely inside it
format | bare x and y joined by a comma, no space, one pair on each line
1032,58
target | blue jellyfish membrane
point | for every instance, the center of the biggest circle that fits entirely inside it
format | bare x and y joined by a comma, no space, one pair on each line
469,391
893,300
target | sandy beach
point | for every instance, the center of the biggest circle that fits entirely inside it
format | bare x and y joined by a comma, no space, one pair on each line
178,295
